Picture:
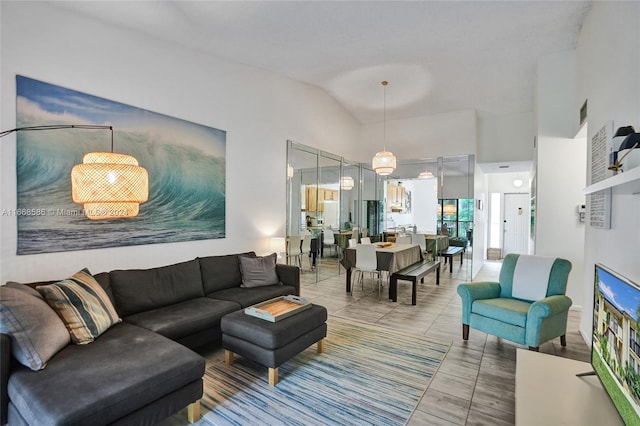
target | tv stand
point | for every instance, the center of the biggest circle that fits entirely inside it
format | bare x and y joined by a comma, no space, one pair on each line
549,393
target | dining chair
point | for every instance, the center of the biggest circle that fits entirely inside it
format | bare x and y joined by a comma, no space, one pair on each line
365,240
329,240
353,242
306,248
421,240
367,261
364,232
405,239
293,249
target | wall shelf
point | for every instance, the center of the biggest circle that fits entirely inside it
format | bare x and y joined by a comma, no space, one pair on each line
627,182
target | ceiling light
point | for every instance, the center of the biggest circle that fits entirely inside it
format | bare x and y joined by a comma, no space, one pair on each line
517,182
384,162
346,183
425,175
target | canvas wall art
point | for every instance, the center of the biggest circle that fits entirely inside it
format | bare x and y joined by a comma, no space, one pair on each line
185,161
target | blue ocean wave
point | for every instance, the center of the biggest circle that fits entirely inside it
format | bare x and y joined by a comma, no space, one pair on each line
186,192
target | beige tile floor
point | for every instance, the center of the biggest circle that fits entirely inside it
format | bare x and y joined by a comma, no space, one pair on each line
475,384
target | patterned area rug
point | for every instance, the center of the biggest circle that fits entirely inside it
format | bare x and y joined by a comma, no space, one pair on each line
368,375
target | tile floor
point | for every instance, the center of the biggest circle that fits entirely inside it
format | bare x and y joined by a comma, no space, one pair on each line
475,384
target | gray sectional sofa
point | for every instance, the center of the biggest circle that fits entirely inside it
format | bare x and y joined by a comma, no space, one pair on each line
140,370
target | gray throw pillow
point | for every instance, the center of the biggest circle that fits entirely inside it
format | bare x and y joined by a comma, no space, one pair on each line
258,271
36,331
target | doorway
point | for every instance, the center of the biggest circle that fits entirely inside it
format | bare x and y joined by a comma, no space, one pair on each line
516,221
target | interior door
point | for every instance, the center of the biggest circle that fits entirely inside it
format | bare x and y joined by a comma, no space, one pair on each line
516,218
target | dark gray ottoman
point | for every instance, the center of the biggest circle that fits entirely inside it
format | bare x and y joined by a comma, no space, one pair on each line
272,343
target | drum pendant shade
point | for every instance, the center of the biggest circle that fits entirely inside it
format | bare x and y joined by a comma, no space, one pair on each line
109,185
384,162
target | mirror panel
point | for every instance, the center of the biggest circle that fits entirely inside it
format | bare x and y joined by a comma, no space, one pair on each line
326,193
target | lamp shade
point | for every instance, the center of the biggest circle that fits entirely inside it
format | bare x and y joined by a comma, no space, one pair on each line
346,183
384,163
449,209
278,245
109,185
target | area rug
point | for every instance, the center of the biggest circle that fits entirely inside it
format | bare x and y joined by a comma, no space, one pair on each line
368,375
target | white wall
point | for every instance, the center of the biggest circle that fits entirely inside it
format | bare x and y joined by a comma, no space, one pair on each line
433,136
480,219
559,233
259,111
608,75
505,137
560,169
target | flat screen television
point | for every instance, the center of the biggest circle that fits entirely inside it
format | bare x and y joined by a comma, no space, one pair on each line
615,349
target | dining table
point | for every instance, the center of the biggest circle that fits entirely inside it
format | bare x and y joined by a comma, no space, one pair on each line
391,257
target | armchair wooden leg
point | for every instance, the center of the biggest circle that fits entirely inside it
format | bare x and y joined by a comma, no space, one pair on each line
465,331
563,340
535,349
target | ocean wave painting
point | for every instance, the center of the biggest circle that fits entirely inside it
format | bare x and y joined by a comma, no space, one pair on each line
185,161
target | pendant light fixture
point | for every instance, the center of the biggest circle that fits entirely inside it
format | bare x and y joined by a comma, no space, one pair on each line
384,162
107,184
449,209
346,183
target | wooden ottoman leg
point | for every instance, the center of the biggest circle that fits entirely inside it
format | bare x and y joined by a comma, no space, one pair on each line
273,376
193,412
228,357
321,345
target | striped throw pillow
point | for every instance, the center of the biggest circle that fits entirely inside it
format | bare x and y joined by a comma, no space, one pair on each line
83,306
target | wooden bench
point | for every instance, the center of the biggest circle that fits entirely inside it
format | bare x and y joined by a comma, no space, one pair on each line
413,273
450,252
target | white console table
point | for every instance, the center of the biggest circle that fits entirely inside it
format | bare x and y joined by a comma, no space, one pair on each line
549,393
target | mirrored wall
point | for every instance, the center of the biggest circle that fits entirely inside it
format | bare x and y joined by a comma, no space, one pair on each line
329,196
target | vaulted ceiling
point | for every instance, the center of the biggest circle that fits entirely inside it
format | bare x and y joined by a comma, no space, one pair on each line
438,56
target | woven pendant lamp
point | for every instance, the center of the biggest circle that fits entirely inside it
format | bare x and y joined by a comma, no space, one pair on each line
346,183
384,162
109,185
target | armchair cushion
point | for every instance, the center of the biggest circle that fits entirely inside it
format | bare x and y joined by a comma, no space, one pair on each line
475,291
510,311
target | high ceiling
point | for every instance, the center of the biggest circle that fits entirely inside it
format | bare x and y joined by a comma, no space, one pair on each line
438,56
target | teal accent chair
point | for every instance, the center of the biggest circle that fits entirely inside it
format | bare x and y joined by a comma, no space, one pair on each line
490,307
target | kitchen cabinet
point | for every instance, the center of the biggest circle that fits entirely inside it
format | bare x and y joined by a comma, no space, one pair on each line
315,198
311,195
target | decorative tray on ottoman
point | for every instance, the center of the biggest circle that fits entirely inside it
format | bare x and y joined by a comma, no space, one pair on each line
278,309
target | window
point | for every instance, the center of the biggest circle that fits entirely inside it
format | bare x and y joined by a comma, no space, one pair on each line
457,216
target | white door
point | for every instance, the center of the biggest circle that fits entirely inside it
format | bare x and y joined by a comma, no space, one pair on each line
517,219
